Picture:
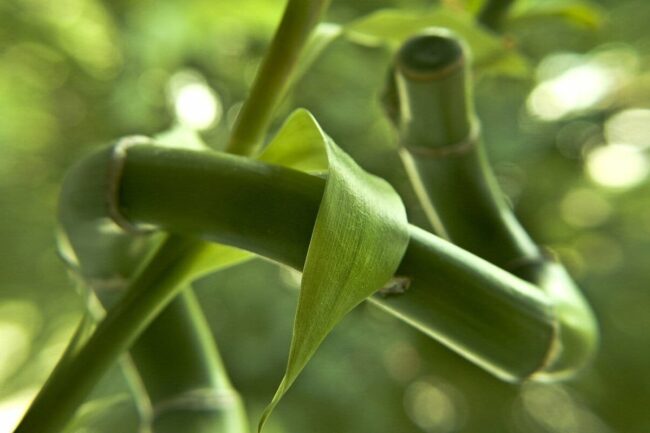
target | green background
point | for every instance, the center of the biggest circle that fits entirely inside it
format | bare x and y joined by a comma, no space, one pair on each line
75,74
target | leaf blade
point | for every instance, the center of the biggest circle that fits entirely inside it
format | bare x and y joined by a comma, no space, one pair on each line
392,27
359,238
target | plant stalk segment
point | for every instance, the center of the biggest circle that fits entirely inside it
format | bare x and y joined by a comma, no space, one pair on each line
275,74
270,210
439,141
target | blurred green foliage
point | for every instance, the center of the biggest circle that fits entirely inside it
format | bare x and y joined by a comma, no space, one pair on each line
569,141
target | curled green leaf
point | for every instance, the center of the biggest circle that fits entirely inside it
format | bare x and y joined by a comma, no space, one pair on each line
359,238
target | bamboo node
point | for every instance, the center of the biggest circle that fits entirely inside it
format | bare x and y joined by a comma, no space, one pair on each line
115,170
459,148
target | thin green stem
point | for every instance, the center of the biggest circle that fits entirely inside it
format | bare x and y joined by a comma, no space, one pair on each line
275,74
147,295
162,277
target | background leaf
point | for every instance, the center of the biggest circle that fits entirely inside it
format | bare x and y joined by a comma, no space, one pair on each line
577,12
392,27
358,241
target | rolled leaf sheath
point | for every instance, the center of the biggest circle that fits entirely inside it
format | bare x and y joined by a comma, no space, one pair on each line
496,320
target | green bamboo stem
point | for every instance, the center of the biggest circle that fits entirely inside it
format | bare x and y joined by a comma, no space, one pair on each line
106,258
183,373
150,292
274,75
270,210
493,13
176,374
439,134
493,318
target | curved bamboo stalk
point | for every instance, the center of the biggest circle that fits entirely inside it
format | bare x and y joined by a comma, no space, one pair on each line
270,210
489,316
439,141
202,369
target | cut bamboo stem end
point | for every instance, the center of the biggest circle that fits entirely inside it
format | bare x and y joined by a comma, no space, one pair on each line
430,78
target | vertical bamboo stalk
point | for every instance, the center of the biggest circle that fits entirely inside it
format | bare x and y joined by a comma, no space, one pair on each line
440,140
184,375
439,136
275,74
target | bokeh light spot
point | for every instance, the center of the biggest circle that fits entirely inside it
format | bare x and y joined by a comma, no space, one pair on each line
432,407
402,361
618,166
572,83
630,126
576,89
585,208
196,105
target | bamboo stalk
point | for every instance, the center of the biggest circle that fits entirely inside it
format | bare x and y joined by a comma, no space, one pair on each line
271,210
439,135
177,347
183,374
275,74
493,318
271,83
